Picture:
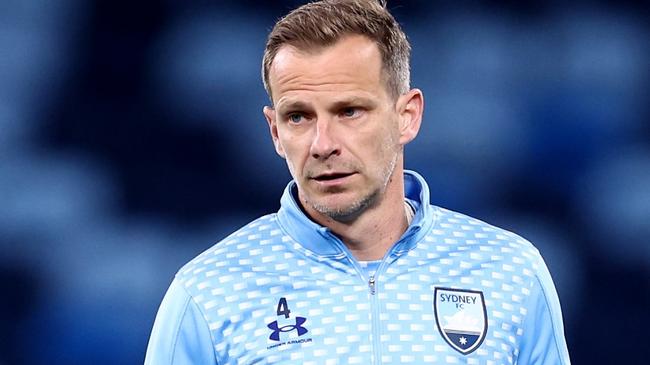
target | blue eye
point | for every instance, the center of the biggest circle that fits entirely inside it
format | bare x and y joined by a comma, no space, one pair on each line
295,118
349,112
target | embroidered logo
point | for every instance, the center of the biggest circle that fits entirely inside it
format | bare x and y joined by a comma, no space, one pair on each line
275,335
283,310
461,318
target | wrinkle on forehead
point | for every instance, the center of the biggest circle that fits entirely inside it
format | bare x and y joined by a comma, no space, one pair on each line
337,100
351,64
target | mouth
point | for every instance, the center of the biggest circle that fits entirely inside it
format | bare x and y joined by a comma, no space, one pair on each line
331,176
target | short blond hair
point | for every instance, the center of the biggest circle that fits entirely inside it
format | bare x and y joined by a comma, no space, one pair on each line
322,23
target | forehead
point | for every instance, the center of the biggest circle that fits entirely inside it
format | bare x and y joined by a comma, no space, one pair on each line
351,64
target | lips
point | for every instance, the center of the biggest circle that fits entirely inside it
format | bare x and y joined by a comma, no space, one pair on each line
330,176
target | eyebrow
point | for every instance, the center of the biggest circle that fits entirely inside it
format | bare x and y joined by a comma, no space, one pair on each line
291,105
353,101
337,104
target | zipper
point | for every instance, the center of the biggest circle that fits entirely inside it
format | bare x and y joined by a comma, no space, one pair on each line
372,288
374,314
374,301
371,284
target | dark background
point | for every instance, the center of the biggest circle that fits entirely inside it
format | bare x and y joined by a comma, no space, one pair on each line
132,138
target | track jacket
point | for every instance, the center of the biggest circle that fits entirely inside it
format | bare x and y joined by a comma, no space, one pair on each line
285,290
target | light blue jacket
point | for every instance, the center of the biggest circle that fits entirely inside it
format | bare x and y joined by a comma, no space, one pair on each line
284,290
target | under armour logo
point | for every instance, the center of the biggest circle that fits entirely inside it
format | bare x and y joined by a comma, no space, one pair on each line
283,309
275,335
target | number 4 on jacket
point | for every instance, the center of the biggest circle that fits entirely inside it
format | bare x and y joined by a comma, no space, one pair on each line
283,308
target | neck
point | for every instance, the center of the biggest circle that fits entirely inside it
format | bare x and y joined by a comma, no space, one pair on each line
370,235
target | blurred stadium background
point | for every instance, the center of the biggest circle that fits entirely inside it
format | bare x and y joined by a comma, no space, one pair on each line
132,138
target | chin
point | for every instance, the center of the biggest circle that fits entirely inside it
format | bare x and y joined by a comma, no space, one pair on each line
344,211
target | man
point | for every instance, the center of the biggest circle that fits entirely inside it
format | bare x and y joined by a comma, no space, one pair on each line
356,267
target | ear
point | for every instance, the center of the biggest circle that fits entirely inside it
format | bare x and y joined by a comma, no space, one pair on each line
269,114
410,107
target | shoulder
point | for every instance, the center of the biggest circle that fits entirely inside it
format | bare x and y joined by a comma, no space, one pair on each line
484,241
253,241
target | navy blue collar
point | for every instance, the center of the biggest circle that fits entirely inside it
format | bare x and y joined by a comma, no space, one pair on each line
318,239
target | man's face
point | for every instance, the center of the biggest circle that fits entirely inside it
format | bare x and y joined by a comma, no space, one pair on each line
336,125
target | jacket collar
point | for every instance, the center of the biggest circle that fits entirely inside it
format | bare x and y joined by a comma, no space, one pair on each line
319,239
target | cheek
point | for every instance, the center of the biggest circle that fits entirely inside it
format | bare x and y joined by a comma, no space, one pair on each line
291,169
291,150
293,154
386,141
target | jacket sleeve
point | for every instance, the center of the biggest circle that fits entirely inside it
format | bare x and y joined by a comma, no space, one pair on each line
180,334
543,339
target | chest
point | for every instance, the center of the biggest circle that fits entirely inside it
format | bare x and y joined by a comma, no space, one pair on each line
415,311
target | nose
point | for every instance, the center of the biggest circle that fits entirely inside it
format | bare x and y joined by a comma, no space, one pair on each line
324,144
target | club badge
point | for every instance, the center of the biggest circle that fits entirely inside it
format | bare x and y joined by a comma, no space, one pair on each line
461,317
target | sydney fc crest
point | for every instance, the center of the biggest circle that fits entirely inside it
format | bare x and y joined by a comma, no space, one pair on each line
461,318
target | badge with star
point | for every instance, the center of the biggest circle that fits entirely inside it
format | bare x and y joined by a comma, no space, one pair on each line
461,318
